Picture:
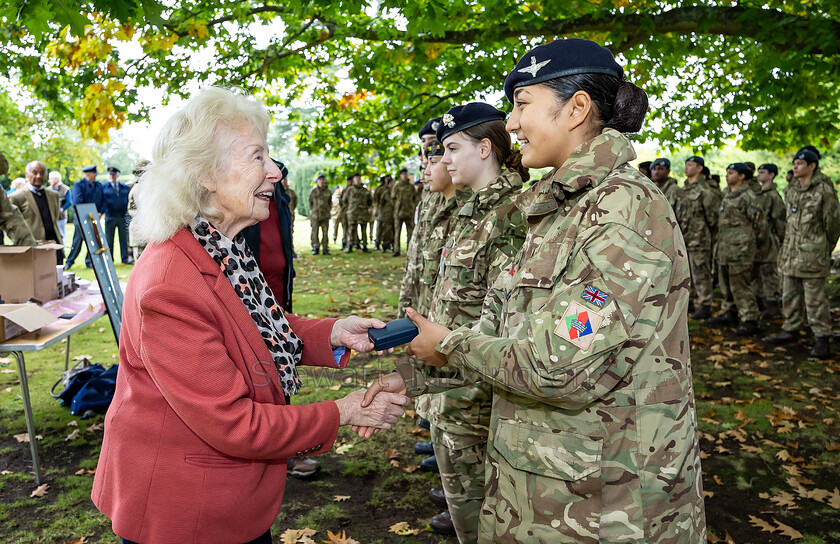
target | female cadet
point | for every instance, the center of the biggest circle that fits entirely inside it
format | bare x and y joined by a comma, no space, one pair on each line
484,235
585,341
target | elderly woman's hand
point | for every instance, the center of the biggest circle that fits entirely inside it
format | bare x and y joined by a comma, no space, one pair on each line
385,409
352,332
392,383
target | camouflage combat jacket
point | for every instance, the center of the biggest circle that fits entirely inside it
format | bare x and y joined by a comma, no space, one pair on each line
405,199
697,213
292,201
593,436
320,203
812,229
819,176
385,205
410,287
672,192
13,223
773,208
739,224
359,203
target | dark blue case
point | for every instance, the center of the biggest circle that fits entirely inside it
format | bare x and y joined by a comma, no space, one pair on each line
395,333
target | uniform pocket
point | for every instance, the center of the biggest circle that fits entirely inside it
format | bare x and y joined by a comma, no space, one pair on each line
545,264
561,455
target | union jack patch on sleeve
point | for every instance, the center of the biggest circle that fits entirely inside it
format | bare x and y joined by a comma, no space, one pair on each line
595,296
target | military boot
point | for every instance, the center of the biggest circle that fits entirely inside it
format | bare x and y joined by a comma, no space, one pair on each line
728,318
703,312
821,349
314,250
442,523
326,251
365,250
747,328
771,310
784,337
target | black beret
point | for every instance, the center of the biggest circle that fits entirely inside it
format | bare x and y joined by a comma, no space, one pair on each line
644,164
357,174
698,160
741,168
664,162
433,149
113,170
403,170
807,155
430,127
350,178
463,117
813,149
561,58
770,167
91,168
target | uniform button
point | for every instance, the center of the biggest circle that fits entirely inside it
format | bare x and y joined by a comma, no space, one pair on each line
298,454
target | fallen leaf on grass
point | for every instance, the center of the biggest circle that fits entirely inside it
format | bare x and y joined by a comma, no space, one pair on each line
717,479
833,447
4,472
395,463
40,491
403,528
391,454
409,468
85,472
81,540
297,536
72,436
335,387
95,427
787,530
341,498
23,437
344,448
73,423
339,538
7,371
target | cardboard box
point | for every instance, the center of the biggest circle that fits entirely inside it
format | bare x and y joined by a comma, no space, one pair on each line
17,319
28,272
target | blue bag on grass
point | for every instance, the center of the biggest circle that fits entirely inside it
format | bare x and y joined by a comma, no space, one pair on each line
87,388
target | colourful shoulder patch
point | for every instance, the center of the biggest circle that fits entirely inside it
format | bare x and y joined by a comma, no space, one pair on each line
579,325
595,296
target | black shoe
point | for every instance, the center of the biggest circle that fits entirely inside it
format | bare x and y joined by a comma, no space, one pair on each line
728,318
326,252
748,328
690,306
376,247
424,448
784,337
442,523
423,423
771,310
365,250
396,254
703,312
429,464
314,250
385,250
821,349
438,496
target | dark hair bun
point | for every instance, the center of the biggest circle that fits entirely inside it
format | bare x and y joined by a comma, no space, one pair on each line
631,105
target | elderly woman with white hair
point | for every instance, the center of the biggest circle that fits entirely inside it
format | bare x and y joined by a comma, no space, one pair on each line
198,433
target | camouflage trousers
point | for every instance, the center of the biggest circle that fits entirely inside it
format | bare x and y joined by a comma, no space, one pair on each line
320,235
409,229
700,263
353,228
736,287
460,459
803,296
384,232
767,284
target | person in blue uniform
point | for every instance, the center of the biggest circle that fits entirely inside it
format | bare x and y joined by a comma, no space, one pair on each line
115,204
86,191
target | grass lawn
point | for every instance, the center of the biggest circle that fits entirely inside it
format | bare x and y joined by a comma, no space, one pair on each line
768,420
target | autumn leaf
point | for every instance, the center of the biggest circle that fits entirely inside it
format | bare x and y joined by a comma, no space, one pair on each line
787,530
391,454
341,498
85,472
72,436
761,524
23,437
402,528
336,538
40,491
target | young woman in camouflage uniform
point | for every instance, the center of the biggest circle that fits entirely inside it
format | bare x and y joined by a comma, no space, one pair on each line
593,434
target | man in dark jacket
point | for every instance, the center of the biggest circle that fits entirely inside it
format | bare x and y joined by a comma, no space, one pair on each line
115,204
86,191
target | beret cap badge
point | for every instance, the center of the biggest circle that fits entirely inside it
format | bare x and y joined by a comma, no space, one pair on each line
435,124
535,67
448,120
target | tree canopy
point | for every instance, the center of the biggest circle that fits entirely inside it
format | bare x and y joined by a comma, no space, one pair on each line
764,71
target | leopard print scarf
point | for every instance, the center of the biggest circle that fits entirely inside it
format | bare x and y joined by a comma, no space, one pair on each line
239,266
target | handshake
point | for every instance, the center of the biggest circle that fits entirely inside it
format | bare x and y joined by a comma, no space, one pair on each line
369,410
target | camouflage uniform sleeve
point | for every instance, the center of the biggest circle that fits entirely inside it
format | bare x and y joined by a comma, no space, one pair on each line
778,216
13,223
831,219
540,364
756,216
711,209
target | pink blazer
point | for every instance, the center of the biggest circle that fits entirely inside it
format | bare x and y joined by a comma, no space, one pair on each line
198,433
